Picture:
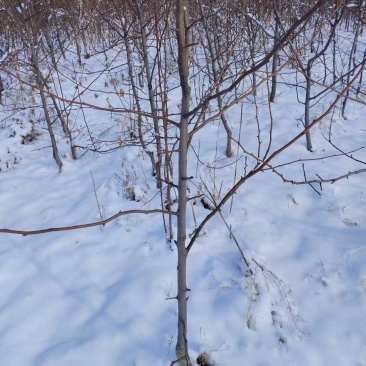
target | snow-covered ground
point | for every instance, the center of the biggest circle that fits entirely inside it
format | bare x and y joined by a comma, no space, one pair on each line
100,296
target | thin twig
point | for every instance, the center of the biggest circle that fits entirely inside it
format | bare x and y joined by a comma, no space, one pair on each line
96,196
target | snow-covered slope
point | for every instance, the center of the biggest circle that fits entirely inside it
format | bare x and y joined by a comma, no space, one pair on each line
102,296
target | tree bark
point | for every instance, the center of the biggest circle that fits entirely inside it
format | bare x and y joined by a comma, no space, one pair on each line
275,61
183,55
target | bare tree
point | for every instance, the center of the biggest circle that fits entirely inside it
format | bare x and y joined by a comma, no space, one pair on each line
31,19
214,43
183,44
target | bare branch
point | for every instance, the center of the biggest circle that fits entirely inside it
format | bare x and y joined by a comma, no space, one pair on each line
265,163
320,180
262,63
89,105
83,226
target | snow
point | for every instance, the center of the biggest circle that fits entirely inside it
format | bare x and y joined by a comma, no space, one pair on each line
104,295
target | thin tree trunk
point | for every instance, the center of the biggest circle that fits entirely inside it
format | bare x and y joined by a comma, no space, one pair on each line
32,38
183,54
137,99
309,145
154,112
350,60
215,75
275,62
309,66
64,123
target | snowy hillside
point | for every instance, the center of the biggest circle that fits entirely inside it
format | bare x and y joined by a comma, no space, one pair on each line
276,277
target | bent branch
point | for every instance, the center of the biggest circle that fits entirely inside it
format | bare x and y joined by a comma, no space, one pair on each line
83,226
